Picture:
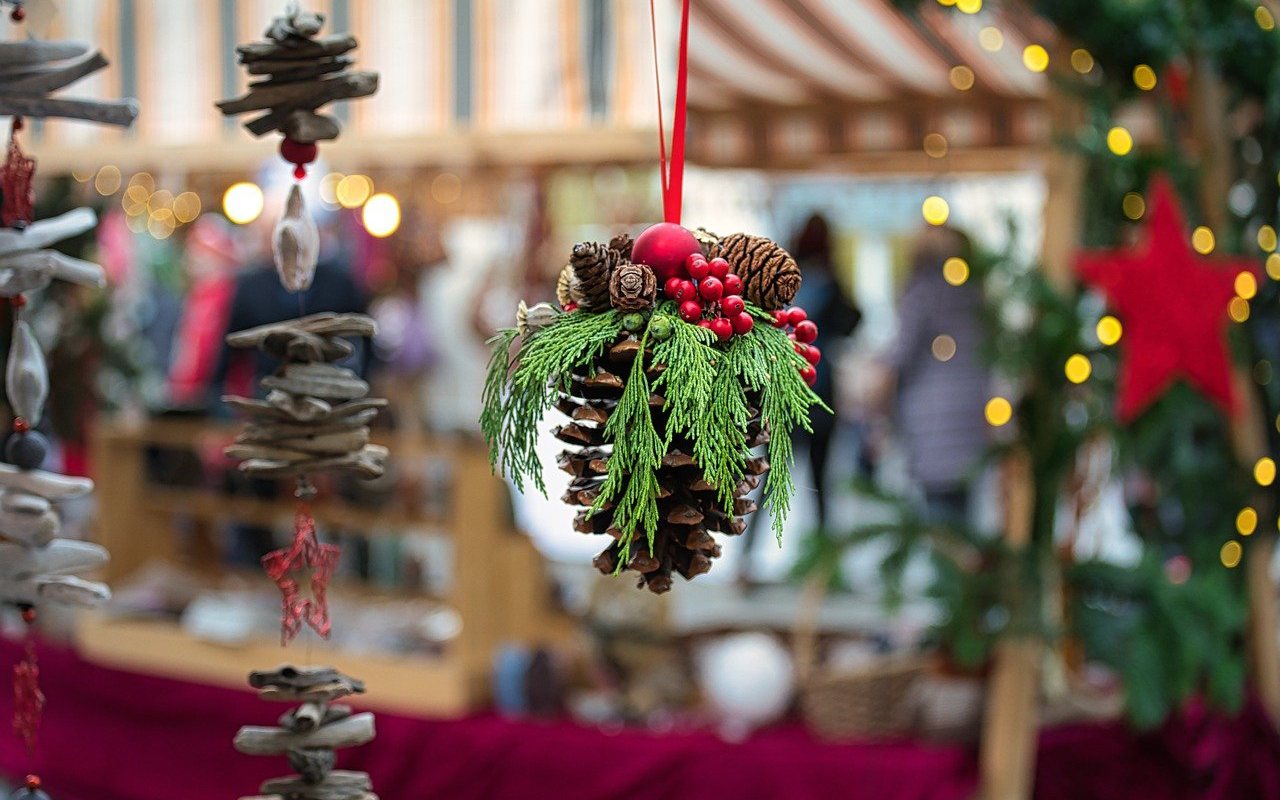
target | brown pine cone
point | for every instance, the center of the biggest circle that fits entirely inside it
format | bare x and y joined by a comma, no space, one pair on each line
621,244
770,276
565,289
632,287
593,265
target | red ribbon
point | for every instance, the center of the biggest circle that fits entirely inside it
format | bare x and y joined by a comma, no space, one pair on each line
673,173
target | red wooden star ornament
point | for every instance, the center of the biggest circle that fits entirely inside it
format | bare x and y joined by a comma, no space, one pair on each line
1173,304
304,553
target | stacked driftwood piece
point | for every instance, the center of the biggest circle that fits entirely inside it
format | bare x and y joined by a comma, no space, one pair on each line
31,70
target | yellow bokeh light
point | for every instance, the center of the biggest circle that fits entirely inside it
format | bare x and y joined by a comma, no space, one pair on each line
381,215
329,188
82,176
991,39
1078,368
1144,77
962,77
955,270
1081,61
446,188
1273,266
1134,206
186,207
1263,372
1264,472
1203,241
162,224
107,181
935,145
1262,15
1119,141
943,347
998,411
1246,521
1267,238
969,6
1035,58
242,202
353,191
163,199
1246,285
946,2
1230,554
1238,309
935,210
1109,330
137,223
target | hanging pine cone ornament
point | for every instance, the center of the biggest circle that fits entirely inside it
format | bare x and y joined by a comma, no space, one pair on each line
593,266
679,405
770,276
632,287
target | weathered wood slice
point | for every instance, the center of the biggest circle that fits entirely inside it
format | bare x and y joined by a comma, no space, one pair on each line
308,95
262,741
300,408
263,452
288,676
29,272
60,557
311,71
30,530
306,126
328,443
312,764
324,381
323,324
65,590
24,504
48,485
338,785
31,51
43,80
296,243
312,715
332,45
43,233
369,463
107,112
276,430
275,66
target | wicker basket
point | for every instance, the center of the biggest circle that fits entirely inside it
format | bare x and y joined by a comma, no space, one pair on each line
877,701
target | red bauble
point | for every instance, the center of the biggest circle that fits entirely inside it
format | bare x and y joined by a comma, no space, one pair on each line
711,289
732,305
806,331
690,311
722,328
809,374
743,323
298,152
719,268
665,248
813,354
732,284
672,289
796,315
779,319
697,267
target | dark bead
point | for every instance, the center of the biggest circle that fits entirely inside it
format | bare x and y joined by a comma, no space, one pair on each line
26,450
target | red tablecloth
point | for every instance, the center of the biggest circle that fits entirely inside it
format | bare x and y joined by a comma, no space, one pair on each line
112,735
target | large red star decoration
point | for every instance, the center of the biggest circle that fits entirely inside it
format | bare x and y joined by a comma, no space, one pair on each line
1173,304
304,553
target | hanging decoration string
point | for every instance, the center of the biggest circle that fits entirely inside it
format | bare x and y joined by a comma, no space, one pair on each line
673,172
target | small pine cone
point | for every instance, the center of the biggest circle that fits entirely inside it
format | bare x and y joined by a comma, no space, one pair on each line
770,276
593,265
565,288
632,287
621,244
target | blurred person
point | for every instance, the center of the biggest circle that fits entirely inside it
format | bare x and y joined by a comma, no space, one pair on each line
937,381
209,261
822,297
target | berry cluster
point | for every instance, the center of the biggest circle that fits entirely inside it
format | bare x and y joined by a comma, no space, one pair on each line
804,333
711,297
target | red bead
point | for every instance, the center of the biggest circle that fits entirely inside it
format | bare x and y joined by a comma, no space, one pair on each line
732,305
688,291
743,323
732,284
570,306
672,289
21,425
813,354
19,123
33,782
29,615
711,289
18,300
719,268
722,328
796,315
298,152
698,267
665,248
792,336
19,14
299,172
806,331
690,311
780,319
809,374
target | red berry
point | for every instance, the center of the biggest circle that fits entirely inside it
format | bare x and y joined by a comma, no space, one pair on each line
813,354
571,307
672,289
711,288
719,268
732,284
796,315
800,348
688,291
809,374
792,336
697,267
779,319
298,152
29,615
732,305
743,323
806,331
706,323
690,311
722,328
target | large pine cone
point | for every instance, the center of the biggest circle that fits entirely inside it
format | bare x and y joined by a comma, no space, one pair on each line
593,265
770,276
632,287
688,510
